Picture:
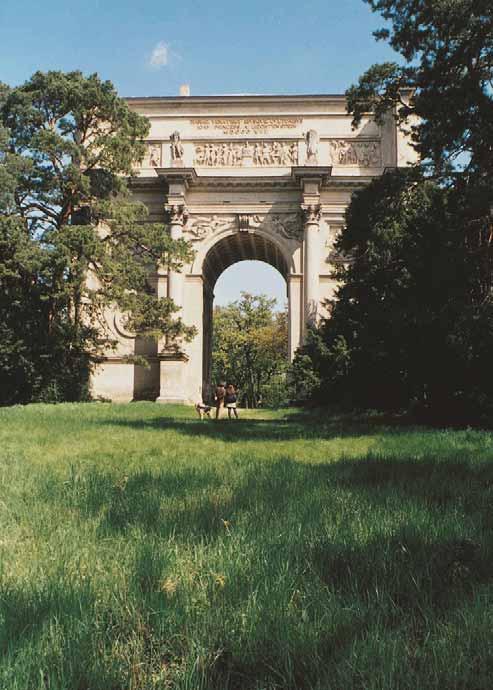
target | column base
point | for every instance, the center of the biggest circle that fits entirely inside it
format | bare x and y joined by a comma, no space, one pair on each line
173,379
169,400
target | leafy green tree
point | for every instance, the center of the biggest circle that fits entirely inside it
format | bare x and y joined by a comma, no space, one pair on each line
250,347
74,244
413,320
447,48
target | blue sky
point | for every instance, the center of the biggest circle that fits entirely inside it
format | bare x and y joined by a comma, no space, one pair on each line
150,48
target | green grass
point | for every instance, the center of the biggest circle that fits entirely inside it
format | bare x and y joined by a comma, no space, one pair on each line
141,548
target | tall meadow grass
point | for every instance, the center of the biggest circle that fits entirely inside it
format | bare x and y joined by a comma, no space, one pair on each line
141,548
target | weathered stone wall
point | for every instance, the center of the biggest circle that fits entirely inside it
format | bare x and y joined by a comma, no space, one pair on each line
245,177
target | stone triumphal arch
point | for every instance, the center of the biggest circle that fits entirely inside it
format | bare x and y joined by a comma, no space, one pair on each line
243,177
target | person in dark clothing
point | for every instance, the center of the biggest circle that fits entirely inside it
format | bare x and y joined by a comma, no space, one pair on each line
219,398
230,399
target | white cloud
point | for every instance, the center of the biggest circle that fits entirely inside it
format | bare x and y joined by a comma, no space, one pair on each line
160,55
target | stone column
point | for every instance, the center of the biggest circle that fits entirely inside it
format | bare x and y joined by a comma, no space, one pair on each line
311,246
295,313
178,216
172,384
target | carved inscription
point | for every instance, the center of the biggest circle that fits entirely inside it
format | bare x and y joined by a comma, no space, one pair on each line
366,154
232,154
246,125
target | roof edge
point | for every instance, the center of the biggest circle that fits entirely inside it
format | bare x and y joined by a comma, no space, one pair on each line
232,98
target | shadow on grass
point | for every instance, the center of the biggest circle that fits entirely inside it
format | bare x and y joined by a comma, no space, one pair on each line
290,427
405,580
194,503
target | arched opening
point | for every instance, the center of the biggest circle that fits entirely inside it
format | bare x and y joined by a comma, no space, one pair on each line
233,250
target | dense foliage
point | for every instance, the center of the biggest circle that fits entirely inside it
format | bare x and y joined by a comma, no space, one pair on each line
250,345
72,243
447,48
412,326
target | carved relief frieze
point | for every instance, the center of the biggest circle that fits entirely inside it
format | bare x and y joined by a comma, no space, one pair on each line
153,155
366,154
201,226
287,225
236,154
246,125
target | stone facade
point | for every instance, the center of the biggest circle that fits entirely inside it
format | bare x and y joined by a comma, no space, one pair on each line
244,177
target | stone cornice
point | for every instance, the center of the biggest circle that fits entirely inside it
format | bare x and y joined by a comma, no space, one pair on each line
239,98
236,182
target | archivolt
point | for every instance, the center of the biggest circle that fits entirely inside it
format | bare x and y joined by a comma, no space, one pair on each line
241,246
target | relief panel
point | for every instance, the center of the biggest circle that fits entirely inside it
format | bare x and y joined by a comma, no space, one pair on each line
287,225
236,154
365,154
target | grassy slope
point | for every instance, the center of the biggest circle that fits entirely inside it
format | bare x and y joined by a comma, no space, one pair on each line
141,548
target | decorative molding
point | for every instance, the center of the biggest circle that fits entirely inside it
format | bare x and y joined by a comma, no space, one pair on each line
177,175
177,214
119,327
346,152
237,182
231,154
303,174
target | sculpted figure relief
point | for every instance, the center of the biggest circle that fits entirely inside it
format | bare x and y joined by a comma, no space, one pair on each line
366,154
311,139
176,147
154,155
200,227
234,154
287,225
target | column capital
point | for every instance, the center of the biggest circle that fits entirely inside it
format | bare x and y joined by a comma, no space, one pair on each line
177,213
311,213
